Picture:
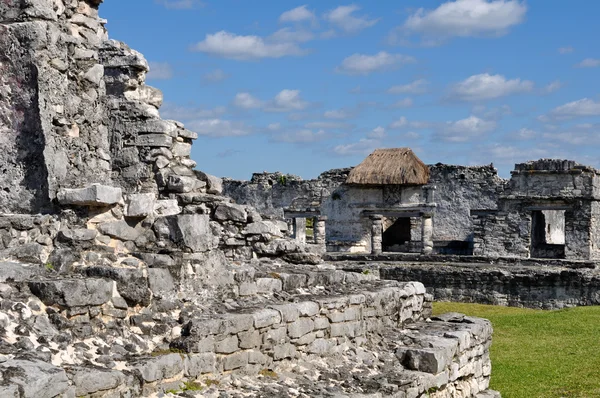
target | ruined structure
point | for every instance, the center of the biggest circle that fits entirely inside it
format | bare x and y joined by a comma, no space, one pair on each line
550,209
125,272
443,196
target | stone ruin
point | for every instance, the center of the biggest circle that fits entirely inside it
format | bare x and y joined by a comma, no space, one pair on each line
532,241
126,272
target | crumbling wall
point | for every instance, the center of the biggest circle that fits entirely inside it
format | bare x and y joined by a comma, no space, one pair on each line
52,119
461,189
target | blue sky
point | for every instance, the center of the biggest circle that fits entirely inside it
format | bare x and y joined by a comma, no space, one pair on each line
301,88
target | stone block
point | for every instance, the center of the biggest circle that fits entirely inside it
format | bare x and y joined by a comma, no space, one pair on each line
308,308
35,378
94,195
192,230
160,281
119,229
249,339
424,360
159,367
183,184
266,317
140,205
268,285
154,140
228,345
89,381
247,289
77,235
300,327
231,212
235,361
289,312
181,149
262,228
73,292
283,351
197,364
166,207
214,185
321,346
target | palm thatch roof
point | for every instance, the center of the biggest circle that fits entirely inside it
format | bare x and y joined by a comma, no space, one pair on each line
397,166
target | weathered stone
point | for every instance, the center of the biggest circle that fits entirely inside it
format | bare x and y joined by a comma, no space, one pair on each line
154,140
73,292
214,185
119,230
35,378
227,346
300,327
266,317
166,207
183,184
159,367
94,195
132,284
77,235
160,281
231,212
89,381
192,230
197,364
140,205
261,228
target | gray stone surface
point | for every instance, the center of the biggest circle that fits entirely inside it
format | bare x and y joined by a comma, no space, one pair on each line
119,230
94,195
36,378
89,381
73,292
141,205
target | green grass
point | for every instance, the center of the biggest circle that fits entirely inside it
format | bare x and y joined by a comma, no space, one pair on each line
541,354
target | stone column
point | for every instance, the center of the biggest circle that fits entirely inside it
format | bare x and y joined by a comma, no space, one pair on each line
319,229
427,233
300,229
376,234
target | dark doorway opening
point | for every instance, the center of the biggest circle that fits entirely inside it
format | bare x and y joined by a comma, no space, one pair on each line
397,237
548,234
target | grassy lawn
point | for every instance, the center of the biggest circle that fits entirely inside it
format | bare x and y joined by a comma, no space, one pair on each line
541,354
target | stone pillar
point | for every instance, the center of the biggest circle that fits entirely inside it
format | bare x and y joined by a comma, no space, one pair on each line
300,229
427,233
376,234
319,229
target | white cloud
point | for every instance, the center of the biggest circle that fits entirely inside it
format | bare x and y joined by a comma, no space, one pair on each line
215,76
486,86
177,112
159,71
274,126
566,50
411,135
338,114
289,35
218,128
286,101
465,129
362,64
247,101
589,63
377,132
416,87
229,45
342,18
402,122
524,134
552,87
180,4
508,154
297,14
363,147
403,103
464,18
327,125
580,108
304,136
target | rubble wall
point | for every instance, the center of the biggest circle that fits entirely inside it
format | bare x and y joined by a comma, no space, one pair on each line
460,189
539,287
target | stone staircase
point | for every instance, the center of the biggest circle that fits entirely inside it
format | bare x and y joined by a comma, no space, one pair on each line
292,330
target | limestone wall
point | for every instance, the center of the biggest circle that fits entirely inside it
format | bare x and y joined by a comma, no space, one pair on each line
460,189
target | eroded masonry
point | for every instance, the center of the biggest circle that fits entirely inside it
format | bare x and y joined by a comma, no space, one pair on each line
126,272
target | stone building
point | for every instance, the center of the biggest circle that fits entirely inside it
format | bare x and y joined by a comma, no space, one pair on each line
382,206
458,190
550,209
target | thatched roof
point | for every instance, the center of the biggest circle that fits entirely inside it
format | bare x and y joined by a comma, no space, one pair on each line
398,166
